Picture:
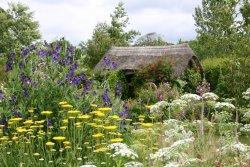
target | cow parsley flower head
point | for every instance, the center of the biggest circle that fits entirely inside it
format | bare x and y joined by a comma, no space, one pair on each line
88,166
210,96
133,164
246,94
224,105
122,150
178,104
172,164
191,97
158,108
245,128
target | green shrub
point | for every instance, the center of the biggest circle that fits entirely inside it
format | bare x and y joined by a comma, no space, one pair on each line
228,77
192,79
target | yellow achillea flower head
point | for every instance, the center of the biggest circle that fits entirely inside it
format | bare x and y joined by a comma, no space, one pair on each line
49,143
115,117
63,103
63,127
148,107
105,109
116,140
74,112
4,138
65,121
39,122
66,106
31,110
147,125
114,127
102,149
14,138
46,113
93,105
15,119
100,114
21,130
85,116
98,135
28,122
59,138
66,143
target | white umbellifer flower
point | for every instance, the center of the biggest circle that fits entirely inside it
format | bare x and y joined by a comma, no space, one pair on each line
224,105
180,104
172,164
245,128
133,164
171,122
88,166
158,107
246,94
235,147
174,150
246,116
181,144
121,149
191,161
191,97
210,96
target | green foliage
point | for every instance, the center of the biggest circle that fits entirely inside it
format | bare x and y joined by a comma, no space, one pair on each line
192,78
17,28
219,32
151,39
106,36
228,77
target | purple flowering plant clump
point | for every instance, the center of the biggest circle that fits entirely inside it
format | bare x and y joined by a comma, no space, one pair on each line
43,74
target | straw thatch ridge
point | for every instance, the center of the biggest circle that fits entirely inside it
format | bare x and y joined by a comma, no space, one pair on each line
181,57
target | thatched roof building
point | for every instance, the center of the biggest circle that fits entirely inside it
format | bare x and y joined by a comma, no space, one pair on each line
131,59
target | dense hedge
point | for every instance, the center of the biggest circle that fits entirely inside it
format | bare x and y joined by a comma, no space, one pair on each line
228,77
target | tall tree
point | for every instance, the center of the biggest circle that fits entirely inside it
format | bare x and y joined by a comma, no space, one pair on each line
105,36
215,22
17,28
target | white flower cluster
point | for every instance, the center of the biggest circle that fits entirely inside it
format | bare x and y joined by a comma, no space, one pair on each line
174,150
246,94
158,107
245,128
178,104
191,97
236,147
178,133
210,96
121,149
172,164
246,116
133,164
224,105
88,166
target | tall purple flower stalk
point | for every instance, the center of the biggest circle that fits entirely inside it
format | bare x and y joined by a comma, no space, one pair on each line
10,62
105,98
125,113
118,89
108,63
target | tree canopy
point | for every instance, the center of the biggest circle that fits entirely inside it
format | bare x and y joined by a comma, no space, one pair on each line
17,28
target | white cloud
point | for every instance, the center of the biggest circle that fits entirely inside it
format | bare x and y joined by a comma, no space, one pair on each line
75,19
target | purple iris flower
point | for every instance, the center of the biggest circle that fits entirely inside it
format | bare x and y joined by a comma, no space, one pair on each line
4,121
49,123
24,52
10,62
87,86
25,92
13,99
25,79
42,53
106,98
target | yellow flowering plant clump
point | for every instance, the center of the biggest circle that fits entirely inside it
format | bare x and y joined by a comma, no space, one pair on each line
46,113
59,138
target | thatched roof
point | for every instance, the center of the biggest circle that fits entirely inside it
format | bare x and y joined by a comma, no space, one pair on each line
133,58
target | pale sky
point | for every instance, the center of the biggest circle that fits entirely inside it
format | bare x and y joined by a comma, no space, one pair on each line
76,19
